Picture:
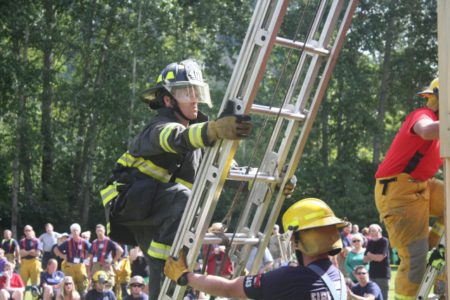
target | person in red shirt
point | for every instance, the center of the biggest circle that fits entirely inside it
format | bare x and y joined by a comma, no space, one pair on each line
11,285
217,263
406,194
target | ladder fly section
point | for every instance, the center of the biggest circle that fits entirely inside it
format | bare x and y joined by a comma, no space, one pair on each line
289,120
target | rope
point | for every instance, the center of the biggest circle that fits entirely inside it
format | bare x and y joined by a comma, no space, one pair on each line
228,216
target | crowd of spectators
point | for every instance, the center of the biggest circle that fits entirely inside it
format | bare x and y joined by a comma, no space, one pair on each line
70,266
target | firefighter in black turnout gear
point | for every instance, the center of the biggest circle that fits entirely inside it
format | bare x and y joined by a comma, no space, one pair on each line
151,183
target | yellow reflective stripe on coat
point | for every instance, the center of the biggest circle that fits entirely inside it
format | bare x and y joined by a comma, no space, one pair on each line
195,135
164,137
108,193
401,297
150,169
158,250
144,166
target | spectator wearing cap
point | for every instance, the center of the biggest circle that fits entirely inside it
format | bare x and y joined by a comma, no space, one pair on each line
30,251
48,239
137,285
74,251
11,248
68,291
99,291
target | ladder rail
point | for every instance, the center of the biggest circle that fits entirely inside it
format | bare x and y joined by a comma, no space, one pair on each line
313,71
227,149
242,89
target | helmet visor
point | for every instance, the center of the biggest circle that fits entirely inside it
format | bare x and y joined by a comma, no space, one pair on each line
189,91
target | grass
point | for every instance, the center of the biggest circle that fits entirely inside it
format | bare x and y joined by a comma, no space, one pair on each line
392,282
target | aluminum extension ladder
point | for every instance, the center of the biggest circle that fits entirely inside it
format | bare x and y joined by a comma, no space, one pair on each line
435,266
294,117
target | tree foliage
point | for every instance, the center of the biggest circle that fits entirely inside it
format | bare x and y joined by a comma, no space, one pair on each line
70,73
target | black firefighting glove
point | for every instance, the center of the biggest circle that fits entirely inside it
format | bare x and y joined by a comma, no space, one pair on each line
232,127
176,268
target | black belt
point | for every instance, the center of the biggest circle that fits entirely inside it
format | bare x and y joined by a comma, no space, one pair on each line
385,183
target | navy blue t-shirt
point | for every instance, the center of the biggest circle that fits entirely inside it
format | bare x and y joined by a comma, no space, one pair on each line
370,288
143,296
379,269
105,295
292,283
9,246
52,279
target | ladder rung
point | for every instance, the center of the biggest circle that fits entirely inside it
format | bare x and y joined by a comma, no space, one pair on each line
238,239
241,174
275,111
308,47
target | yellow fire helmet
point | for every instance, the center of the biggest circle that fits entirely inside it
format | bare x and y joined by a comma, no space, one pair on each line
317,226
100,276
432,95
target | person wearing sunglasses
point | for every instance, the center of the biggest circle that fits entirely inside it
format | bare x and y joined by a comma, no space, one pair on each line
364,289
68,291
355,256
137,285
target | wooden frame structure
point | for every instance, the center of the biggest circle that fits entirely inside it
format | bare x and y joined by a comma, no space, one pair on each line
443,9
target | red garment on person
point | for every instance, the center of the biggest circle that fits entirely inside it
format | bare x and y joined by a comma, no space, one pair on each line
406,143
215,260
16,281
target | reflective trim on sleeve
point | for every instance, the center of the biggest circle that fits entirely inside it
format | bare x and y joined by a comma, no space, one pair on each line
195,135
184,182
109,193
164,137
159,250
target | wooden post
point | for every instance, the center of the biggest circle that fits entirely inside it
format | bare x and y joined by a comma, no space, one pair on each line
443,9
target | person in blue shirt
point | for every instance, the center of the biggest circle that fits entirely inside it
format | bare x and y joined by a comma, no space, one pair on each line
99,291
315,235
364,289
51,279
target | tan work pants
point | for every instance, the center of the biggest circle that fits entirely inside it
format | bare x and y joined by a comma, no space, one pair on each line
405,206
